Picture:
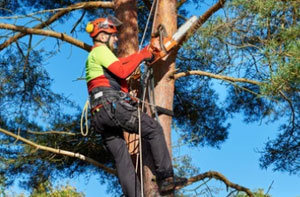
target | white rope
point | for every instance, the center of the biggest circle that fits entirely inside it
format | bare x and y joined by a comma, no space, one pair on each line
143,104
84,114
147,23
141,154
154,19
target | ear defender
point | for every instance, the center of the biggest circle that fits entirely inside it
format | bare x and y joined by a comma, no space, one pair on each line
89,27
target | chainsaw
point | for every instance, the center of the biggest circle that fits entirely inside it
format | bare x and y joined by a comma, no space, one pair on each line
161,44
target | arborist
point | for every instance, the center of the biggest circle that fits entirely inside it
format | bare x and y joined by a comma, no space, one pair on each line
112,111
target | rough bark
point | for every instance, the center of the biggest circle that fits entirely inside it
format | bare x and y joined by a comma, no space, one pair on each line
164,87
126,11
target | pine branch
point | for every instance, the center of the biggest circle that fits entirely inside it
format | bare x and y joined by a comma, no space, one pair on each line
55,17
59,151
202,19
50,33
218,176
51,132
215,76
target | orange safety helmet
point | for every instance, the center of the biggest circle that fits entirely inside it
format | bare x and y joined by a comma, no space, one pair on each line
108,25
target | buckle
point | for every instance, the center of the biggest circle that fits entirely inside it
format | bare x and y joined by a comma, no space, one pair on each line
122,95
98,95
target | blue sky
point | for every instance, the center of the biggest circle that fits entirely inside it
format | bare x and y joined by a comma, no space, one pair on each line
237,158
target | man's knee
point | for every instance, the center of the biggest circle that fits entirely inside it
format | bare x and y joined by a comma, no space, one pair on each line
150,127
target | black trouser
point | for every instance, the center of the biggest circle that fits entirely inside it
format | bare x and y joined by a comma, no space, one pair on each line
117,115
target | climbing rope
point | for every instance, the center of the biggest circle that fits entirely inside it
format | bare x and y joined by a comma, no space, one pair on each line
147,23
84,115
143,99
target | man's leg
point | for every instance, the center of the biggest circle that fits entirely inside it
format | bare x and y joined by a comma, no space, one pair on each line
151,131
125,169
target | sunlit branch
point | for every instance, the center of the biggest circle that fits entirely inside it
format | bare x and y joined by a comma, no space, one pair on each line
59,151
51,132
215,76
53,18
49,33
218,176
202,19
80,5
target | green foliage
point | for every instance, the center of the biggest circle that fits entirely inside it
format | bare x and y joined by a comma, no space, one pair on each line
199,118
258,193
46,190
183,166
256,40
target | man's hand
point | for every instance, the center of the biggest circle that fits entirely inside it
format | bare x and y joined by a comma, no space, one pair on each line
155,45
147,54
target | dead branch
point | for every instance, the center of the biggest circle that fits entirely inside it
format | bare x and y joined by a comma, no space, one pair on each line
59,151
218,176
49,33
203,73
53,18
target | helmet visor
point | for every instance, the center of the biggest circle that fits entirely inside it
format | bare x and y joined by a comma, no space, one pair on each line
110,22
114,21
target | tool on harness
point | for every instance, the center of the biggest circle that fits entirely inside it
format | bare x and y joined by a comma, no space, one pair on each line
167,43
97,103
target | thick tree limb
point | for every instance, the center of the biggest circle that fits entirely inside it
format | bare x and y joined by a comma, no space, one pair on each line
59,151
215,76
202,19
218,176
53,18
50,33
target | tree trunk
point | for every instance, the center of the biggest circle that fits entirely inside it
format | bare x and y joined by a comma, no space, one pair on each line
164,88
126,11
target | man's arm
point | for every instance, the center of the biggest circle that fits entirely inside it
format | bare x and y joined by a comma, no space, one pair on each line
122,67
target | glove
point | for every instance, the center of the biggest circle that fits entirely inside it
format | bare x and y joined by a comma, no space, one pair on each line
154,45
147,54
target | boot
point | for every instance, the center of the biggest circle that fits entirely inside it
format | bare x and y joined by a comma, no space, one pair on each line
168,184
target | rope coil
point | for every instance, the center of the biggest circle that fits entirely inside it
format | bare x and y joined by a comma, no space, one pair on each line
84,115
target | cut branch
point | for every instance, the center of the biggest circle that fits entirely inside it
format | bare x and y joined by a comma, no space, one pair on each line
53,18
222,77
218,176
59,151
50,33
